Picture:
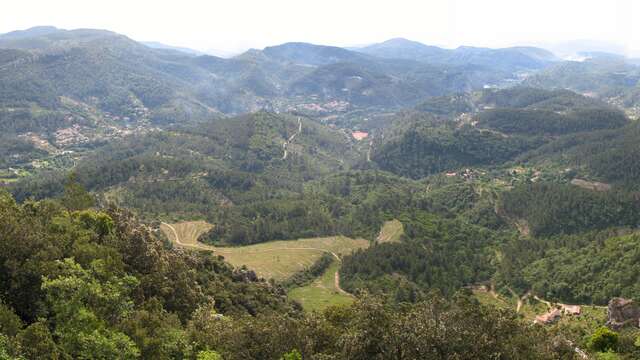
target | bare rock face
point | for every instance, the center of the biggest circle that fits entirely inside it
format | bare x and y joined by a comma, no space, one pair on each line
622,312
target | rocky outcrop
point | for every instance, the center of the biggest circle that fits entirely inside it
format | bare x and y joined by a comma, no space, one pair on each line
622,312
244,275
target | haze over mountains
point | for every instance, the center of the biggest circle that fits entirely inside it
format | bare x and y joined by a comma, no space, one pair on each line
114,74
273,78
391,201
97,84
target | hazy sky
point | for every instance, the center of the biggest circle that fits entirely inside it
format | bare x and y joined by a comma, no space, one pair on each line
240,24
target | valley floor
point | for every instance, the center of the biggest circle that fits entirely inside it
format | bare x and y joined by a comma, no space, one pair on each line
272,260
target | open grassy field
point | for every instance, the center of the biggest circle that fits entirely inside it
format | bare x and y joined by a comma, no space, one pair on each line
322,292
272,260
530,306
391,231
486,298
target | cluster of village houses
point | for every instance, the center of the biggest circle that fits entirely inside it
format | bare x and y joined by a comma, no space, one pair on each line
331,106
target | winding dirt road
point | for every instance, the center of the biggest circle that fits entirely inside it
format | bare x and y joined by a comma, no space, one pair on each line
521,299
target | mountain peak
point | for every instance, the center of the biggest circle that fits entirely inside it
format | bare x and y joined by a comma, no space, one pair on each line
33,31
310,54
401,48
401,41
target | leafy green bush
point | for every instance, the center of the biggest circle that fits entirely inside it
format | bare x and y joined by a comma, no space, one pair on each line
292,355
208,355
603,340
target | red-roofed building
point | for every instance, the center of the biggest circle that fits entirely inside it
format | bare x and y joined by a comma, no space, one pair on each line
359,135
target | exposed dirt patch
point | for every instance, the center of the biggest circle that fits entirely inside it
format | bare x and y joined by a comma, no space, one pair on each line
591,185
186,233
523,227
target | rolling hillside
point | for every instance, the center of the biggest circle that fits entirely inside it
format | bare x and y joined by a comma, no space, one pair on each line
193,170
122,78
305,201
487,128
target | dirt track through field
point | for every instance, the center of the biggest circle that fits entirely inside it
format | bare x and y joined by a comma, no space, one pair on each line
337,284
290,139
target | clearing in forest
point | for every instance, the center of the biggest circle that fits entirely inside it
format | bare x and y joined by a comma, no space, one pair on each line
271,260
322,292
391,231
591,185
281,259
187,232
589,320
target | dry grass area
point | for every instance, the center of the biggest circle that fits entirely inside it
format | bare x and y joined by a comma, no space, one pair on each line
188,232
274,259
391,231
280,259
591,185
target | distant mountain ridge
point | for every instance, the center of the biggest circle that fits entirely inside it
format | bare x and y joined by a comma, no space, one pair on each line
401,48
513,58
159,45
46,70
116,75
572,50
310,54
34,31
46,37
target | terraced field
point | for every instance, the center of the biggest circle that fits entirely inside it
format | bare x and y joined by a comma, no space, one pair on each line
272,260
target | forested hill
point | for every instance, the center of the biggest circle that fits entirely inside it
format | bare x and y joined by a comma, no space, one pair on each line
424,146
600,75
191,170
491,127
84,283
614,79
100,68
124,78
87,283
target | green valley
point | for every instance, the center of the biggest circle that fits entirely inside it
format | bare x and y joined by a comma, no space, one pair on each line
394,200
